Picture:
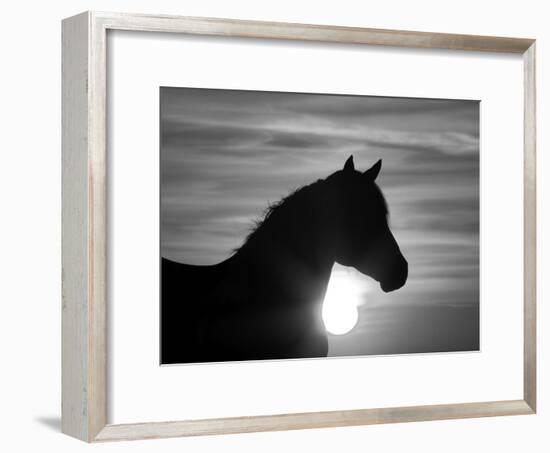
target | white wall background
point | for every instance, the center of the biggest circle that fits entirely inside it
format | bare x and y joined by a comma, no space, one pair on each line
30,193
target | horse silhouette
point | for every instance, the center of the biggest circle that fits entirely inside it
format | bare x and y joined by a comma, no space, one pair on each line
265,301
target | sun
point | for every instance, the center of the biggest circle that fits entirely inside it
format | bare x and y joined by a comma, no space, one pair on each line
342,298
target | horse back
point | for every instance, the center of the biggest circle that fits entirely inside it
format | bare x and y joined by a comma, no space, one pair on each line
188,292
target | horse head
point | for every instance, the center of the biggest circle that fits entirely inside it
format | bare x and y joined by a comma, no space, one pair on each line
360,234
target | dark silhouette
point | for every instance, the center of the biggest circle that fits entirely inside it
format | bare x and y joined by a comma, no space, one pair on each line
264,302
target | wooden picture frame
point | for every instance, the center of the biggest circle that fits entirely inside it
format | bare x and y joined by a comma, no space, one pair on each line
84,352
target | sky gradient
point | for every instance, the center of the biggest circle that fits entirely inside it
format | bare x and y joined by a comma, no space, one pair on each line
226,154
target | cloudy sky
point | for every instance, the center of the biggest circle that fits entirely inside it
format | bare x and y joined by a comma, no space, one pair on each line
226,154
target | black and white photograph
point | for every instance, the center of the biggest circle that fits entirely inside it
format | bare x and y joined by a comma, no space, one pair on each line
310,225
274,227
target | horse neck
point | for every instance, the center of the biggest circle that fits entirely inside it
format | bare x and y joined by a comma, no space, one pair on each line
298,231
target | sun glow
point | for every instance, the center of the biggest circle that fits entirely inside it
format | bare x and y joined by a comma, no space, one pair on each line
342,298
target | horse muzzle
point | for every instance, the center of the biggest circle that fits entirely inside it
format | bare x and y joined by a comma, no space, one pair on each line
399,273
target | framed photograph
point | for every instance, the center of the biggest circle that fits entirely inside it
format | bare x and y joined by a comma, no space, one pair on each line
271,226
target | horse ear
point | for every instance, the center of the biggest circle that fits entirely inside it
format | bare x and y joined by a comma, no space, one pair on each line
349,166
372,172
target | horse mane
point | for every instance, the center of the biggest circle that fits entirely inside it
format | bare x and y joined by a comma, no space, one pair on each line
275,209
291,206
